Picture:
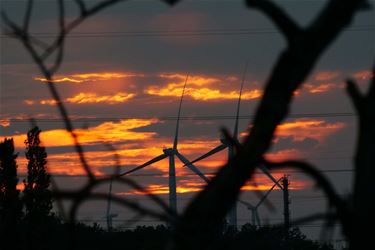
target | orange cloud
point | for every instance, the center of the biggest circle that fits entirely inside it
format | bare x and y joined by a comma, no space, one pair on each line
294,185
160,189
89,77
192,80
363,75
29,102
48,102
202,94
283,155
300,129
261,183
106,132
326,75
4,122
88,98
201,88
133,154
321,88
83,98
206,94
306,128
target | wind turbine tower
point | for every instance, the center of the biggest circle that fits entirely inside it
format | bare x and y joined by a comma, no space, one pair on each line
255,220
171,153
232,216
109,215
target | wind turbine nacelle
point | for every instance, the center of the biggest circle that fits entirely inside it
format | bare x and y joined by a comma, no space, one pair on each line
223,140
168,151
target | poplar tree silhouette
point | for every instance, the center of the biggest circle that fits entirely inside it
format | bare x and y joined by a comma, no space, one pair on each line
10,204
37,196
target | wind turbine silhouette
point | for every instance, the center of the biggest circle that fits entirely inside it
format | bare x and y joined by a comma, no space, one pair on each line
109,215
255,220
231,151
171,153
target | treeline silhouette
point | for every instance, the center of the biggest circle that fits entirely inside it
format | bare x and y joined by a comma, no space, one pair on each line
157,237
26,220
25,213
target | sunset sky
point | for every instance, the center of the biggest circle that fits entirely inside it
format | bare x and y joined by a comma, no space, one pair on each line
123,74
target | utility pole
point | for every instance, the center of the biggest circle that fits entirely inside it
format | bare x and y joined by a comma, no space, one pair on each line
285,184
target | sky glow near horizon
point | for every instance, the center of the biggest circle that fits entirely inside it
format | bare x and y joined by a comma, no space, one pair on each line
117,89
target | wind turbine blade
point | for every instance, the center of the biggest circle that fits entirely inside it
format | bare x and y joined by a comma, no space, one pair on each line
266,194
247,204
267,172
156,159
211,152
179,114
235,131
191,166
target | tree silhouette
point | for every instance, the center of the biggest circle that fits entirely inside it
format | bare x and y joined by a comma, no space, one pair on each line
10,204
37,197
199,226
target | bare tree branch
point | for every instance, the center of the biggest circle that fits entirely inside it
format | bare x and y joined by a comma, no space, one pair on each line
371,92
85,193
171,2
116,159
363,202
203,217
82,7
49,77
73,24
26,20
354,93
61,38
281,19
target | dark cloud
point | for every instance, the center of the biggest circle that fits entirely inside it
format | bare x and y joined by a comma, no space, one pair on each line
289,142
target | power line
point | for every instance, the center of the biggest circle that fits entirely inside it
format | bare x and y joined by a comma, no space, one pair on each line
192,118
298,198
176,33
205,173
52,1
